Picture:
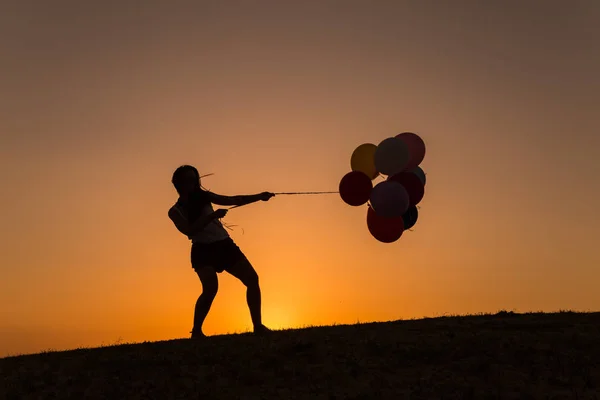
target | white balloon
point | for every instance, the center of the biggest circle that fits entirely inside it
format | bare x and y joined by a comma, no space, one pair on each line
391,156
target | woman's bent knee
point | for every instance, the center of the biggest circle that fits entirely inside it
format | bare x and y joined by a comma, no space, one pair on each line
209,292
209,280
252,280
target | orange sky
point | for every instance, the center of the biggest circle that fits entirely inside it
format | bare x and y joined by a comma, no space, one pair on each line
101,103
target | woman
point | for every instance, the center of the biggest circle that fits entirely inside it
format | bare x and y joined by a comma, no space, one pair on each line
213,250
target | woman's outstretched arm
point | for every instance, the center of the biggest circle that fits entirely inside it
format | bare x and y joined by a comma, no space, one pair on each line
239,200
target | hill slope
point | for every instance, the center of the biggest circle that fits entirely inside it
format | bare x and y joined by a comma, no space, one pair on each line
505,356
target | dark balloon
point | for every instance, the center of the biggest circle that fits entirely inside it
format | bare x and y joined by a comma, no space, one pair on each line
355,188
420,173
410,217
384,229
413,185
389,199
416,148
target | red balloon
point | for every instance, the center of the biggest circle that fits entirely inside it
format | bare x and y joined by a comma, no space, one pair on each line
384,229
416,148
355,188
413,185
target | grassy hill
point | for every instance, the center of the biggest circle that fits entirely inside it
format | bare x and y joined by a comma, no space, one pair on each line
501,356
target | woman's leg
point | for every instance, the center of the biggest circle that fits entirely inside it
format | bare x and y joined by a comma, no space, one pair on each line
245,272
210,286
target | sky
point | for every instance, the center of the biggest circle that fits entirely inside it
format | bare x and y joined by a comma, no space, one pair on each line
101,101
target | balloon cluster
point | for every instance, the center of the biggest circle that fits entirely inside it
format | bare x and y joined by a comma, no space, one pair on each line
393,201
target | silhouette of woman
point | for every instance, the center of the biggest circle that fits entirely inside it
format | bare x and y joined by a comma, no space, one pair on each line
213,250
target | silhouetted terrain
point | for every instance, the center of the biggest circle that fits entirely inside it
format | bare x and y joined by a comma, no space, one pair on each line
502,356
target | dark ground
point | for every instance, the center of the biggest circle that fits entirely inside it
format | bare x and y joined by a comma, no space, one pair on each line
502,356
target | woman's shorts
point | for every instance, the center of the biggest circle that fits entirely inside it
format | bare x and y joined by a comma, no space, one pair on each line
220,255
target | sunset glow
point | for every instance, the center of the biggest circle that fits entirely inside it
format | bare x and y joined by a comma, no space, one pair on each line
101,103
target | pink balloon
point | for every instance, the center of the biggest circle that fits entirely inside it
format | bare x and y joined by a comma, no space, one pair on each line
389,199
416,148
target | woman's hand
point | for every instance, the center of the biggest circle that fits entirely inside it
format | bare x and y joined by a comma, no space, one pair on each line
265,196
220,213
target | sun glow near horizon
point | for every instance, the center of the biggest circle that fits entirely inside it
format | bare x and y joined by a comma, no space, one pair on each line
103,103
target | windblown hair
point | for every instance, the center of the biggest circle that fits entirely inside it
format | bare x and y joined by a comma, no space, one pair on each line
180,173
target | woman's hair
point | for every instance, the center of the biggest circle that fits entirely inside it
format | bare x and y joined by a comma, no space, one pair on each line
180,173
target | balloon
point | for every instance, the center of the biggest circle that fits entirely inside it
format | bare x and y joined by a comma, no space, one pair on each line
355,188
416,148
420,173
391,156
363,160
389,199
412,184
410,217
386,230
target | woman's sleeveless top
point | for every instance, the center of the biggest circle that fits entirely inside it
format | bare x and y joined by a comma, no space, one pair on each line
199,205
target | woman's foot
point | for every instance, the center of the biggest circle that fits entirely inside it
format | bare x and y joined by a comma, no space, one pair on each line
197,334
261,330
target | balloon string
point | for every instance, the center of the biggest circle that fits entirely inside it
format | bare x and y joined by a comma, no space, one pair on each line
230,226
289,193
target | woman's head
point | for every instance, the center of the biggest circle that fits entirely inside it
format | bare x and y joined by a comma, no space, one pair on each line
186,179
